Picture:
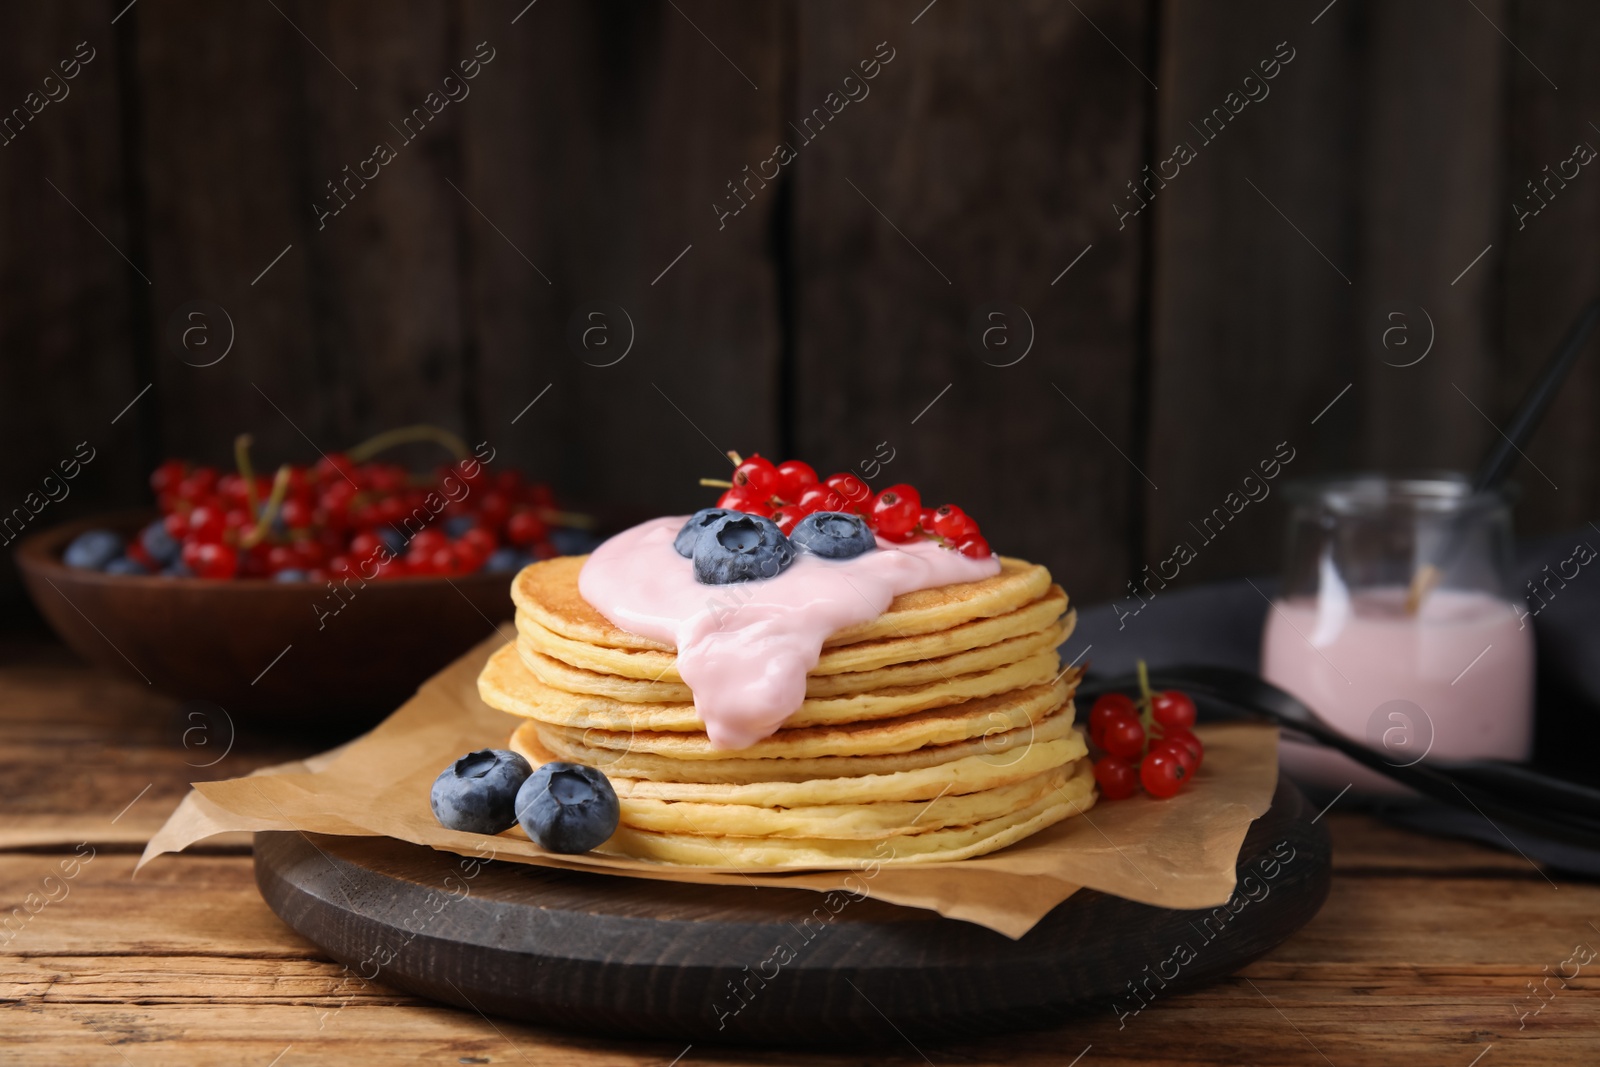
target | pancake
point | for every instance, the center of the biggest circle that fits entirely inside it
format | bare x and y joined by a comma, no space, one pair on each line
968,774
507,684
943,845
939,726
547,592
940,730
997,747
842,822
1033,618
564,675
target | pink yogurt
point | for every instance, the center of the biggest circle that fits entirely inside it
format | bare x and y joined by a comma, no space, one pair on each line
1464,660
745,649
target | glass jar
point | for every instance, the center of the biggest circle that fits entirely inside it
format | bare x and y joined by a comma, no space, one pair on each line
1447,676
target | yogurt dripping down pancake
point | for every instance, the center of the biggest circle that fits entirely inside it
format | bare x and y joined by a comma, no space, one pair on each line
548,594
745,648
545,689
1036,618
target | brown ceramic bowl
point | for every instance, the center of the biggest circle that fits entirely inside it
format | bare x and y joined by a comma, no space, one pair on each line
260,649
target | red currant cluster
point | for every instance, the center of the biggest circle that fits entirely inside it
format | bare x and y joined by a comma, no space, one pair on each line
1148,742
342,516
790,491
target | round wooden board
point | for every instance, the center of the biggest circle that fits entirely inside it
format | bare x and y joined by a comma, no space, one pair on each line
624,956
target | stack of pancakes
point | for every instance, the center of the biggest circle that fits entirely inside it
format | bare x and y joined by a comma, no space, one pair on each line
940,730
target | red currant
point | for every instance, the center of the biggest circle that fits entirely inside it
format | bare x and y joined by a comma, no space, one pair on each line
334,467
281,558
1109,706
428,542
165,478
1173,710
198,484
976,547
391,511
908,493
1116,777
206,525
853,489
364,545
1178,750
312,554
482,541
786,517
1123,737
953,524
759,476
742,498
136,552
1189,741
794,478
493,510
210,559
1162,773
524,527
466,557
821,498
893,515
297,514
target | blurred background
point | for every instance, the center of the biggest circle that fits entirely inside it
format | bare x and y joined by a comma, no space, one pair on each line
1079,266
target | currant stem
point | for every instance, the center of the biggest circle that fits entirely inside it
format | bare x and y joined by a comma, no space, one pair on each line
1147,714
575,520
241,459
716,483
734,457
280,489
404,435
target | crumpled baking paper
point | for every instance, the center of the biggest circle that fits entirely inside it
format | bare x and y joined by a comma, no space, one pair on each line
1176,853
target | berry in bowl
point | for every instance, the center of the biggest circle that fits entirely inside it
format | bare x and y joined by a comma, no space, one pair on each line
328,590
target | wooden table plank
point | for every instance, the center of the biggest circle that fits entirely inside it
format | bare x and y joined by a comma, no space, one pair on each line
133,753
1394,965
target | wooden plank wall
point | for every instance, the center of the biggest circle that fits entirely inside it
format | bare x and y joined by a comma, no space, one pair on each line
596,162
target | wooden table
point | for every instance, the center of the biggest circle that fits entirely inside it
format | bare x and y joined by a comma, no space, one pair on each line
1424,953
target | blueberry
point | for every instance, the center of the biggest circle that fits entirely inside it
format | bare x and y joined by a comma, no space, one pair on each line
505,561
570,542
124,565
291,574
459,525
478,792
92,550
567,807
694,528
834,534
177,570
162,546
393,538
740,547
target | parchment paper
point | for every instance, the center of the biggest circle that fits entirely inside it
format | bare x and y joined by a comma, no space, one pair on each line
1177,853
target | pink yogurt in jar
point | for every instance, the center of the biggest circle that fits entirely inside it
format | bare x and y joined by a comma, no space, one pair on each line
1454,681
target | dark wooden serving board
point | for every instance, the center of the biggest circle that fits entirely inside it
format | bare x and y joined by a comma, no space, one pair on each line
624,956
